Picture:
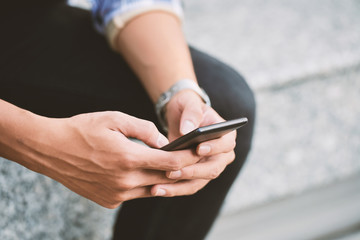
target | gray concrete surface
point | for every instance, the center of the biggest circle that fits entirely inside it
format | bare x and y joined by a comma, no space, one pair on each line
302,59
354,236
33,206
277,41
326,213
307,135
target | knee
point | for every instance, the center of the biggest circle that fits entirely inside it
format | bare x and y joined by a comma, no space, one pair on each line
238,100
234,101
232,98
230,95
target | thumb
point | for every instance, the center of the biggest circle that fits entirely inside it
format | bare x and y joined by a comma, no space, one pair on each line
191,116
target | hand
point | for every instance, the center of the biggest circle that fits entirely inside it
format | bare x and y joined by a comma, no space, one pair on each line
92,155
185,112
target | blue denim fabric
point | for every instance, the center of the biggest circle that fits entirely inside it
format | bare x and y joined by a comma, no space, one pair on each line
104,10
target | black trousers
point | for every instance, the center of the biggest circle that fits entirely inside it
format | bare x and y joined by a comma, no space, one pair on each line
53,63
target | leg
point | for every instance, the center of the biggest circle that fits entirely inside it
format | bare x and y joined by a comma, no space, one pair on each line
64,68
191,217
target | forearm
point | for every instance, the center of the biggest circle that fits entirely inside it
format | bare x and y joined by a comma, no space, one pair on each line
18,129
155,47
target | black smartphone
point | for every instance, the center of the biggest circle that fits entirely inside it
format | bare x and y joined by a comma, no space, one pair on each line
202,134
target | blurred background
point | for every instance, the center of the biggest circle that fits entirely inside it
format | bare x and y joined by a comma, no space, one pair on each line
302,59
302,178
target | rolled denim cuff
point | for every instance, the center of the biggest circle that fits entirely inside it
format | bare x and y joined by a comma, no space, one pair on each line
118,22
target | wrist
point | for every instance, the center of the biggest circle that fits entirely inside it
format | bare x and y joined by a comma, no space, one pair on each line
20,134
167,96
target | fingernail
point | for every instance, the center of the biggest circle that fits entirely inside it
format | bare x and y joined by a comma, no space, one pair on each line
160,192
175,174
204,149
187,127
162,140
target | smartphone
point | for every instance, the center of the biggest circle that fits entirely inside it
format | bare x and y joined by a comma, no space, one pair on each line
205,133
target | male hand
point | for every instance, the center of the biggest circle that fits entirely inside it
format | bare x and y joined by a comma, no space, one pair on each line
185,112
92,155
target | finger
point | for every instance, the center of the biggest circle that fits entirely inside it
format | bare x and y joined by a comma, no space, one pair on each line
221,145
112,198
192,114
210,116
149,158
152,177
140,129
209,169
141,178
186,187
88,190
141,192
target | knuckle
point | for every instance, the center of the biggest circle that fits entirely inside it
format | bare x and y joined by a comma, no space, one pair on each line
112,116
200,185
111,204
194,190
150,126
128,165
198,114
181,99
232,156
171,194
128,162
126,184
195,111
191,173
233,145
149,129
175,164
107,205
215,173
120,197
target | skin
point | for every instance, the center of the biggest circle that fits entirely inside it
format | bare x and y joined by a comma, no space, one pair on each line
91,154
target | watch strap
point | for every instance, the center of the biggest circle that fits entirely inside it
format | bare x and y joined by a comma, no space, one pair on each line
173,90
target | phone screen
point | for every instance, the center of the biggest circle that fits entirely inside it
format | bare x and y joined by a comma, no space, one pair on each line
205,133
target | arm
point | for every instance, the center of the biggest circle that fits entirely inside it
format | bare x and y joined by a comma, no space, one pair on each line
154,45
90,153
16,128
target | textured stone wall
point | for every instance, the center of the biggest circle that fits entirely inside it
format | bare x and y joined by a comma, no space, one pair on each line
33,206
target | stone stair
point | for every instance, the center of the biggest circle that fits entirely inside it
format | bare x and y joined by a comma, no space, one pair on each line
302,58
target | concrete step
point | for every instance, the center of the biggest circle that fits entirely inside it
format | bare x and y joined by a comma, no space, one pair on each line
277,41
331,212
302,58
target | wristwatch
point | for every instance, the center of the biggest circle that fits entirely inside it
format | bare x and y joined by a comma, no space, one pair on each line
174,89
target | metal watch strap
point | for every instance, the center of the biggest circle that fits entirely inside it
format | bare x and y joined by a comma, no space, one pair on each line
174,89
